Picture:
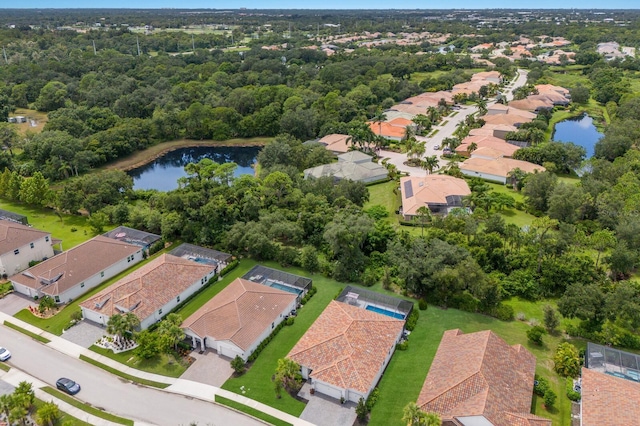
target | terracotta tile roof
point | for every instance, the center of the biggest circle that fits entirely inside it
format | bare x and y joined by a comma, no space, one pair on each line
76,264
346,346
479,374
239,313
487,142
148,288
388,130
486,75
543,88
401,122
503,109
15,235
335,142
506,119
499,166
430,189
469,87
531,104
488,129
608,400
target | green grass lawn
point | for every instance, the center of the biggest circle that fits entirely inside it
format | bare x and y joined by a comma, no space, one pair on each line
405,374
163,364
47,220
59,321
257,380
382,194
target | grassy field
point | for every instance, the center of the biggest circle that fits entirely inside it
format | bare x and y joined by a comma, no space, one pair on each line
163,364
251,411
40,118
117,372
141,158
61,226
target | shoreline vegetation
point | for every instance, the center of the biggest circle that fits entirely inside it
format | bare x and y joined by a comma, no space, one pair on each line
154,152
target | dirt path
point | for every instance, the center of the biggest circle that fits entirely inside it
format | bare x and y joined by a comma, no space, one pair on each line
141,158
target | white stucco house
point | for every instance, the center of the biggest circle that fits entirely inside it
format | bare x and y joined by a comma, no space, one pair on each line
345,351
150,292
21,244
239,318
70,274
490,165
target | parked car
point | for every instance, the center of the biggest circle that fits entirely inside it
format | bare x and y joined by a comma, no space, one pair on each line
4,354
437,147
68,386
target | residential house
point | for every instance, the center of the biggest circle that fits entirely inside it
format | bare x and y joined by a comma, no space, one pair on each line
499,109
511,118
486,141
345,351
488,77
20,244
239,318
479,379
439,193
336,143
353,165
150,292
532,104
608,400
393,131
498,130
68,275
494,169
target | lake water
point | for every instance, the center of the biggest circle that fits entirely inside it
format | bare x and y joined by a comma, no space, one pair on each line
163,173
579,130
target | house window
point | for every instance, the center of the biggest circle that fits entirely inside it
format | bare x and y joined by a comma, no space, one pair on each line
46,238
102,274
31,245
81,285
160,312
178,299
57,299
272,325
16,251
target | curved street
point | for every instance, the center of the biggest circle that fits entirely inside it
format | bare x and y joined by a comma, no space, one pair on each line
112,394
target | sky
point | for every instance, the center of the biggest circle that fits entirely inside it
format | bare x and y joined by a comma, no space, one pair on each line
325,4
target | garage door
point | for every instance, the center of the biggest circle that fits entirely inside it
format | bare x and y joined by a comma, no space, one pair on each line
92,316
227,351
328,390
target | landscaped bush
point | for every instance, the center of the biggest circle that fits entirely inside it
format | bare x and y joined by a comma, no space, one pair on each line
572,394
541,385
423,305
156,247
503,312
309,295
264,343
230,267
412,320
289,321
403,346
534,334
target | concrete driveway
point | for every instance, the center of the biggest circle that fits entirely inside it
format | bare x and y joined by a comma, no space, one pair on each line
209,368
84,334
324,411
14,302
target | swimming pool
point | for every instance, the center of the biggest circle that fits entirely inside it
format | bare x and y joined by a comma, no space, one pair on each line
386,312
283,287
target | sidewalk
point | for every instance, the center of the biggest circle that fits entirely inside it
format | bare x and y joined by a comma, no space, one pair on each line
179,386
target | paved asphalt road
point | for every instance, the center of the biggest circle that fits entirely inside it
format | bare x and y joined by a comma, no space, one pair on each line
445,131
111,393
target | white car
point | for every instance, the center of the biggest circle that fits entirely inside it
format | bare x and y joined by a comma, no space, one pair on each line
437,147
4,354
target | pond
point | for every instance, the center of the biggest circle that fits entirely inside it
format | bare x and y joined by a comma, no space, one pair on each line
163,172
579,130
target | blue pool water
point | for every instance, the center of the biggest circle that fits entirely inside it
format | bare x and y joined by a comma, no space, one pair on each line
385,312
284,287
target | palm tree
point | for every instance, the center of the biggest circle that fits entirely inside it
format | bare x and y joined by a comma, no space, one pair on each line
472,147
482,106
433,114
48,413
424,214
516,177
6,402
417,150
409,133
430,163
121,325
379,117
412,415
422,122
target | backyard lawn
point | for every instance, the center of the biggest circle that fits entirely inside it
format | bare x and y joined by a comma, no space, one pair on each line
61,227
